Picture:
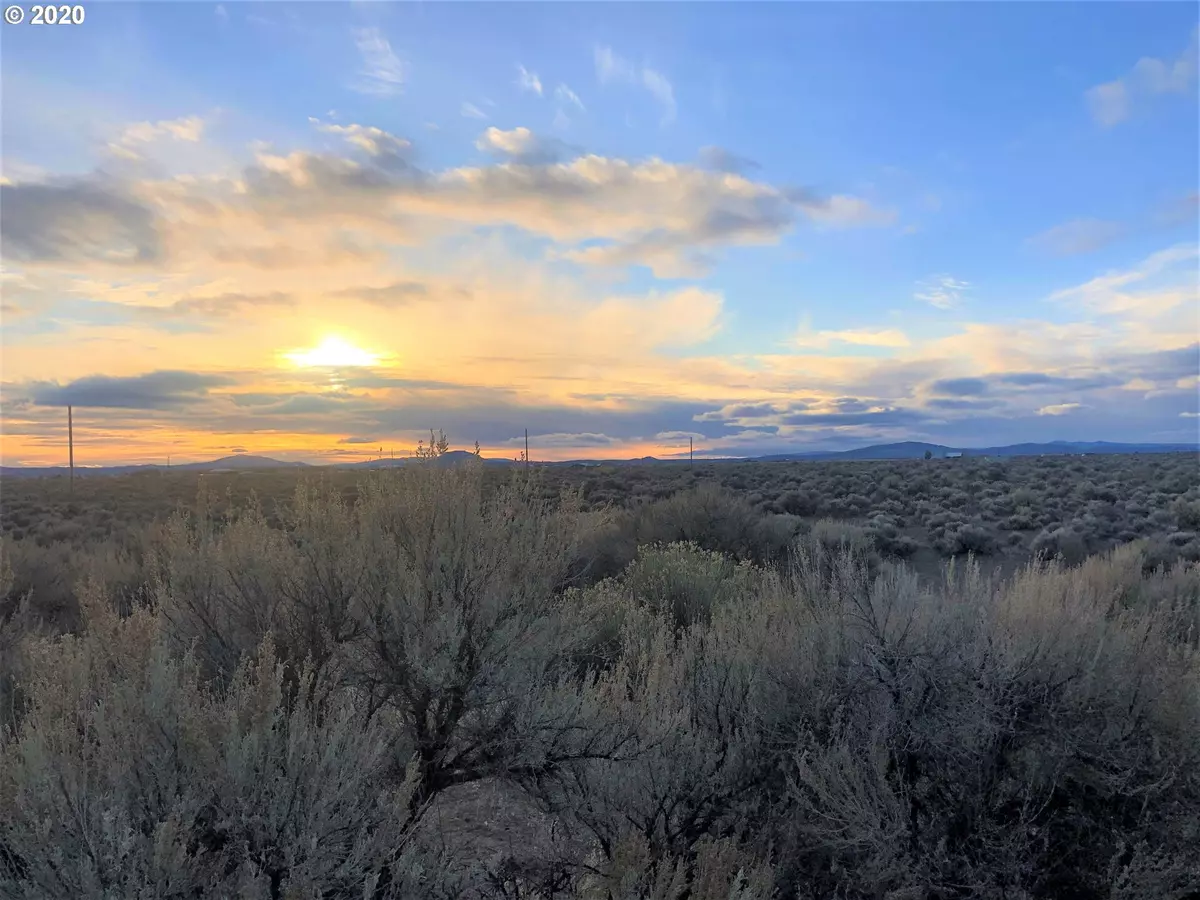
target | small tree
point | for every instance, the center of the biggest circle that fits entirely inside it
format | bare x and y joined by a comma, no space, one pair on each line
929,454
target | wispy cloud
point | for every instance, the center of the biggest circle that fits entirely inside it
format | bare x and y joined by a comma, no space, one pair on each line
859,337
1077,236
383,73
568,97
471,111
613,69
528,81
1112,102
941,291
221,13
133,138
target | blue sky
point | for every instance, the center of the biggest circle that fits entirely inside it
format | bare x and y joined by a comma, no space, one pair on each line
623,221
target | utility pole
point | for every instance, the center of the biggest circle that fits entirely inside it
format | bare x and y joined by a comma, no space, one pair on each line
71,446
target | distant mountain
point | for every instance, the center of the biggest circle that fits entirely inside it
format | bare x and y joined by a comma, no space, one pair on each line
903,450
242,461
916,450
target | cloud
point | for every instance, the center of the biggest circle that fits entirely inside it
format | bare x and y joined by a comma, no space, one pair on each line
1183,211
612,69
307,209
383,73
941,291
1077,237
1169,284
568,97
75,220
391,296
721,160
520,145
133,138
658,85
359,440
471,111
528,81
221,13
1112,102
219,306
1059,409
960,387
154,390
1109,103
374,141
858,337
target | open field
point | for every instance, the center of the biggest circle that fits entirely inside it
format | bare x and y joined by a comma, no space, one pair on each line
942,679
1002,511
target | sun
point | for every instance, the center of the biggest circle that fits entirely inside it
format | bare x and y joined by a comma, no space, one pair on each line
332,352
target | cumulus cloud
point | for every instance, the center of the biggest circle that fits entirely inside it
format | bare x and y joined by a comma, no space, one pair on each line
133,138
289,208
1112,102
383,73
520,145
375,141
350,237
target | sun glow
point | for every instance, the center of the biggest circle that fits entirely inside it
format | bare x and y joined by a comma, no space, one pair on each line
332,352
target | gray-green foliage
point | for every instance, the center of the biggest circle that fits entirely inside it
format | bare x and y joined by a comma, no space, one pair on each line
303,690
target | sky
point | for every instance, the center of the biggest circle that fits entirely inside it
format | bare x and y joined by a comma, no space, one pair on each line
315,231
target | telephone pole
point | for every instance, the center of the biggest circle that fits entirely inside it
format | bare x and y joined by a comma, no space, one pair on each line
71,446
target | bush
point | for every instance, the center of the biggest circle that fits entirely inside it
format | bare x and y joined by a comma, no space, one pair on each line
129,778
1062,543
970,538
314,689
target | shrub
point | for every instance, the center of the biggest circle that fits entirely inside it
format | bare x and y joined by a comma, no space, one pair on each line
970,538
685,583
129,778
709,516
1062,543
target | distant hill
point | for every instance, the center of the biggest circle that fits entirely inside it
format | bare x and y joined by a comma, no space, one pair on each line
242,461
903,450
916,450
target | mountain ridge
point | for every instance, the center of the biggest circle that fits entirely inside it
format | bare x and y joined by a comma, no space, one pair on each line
880,452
